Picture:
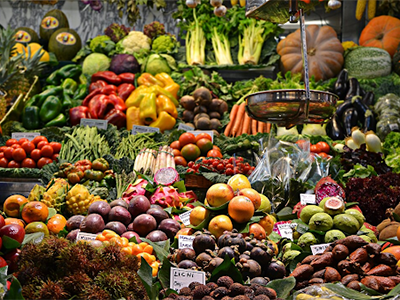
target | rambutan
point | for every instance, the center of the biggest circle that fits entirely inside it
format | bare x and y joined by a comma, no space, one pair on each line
52,290
75,283
94,292
112,282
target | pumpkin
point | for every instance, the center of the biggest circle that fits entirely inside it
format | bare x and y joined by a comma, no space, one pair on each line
382,32
325,52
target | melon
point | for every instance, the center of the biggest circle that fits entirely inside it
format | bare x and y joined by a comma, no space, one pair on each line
51,22
368,62
65,43
26,35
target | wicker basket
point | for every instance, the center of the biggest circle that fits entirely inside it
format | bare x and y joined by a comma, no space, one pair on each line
197,181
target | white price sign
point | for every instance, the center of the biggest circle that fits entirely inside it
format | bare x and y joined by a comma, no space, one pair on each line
86,236
185,241
144,129
318,249
209,132
181,278
286,230
24,135
185,127
307,199
185,218
100,124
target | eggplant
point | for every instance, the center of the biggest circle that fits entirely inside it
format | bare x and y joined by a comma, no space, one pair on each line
342,107
342,84
360,107
369,121
335,129
354,89
368,99
350,119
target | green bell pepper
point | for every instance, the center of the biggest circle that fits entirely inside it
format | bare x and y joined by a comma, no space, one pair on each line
33,101
69,85
56,91
80,92
68,71
83,79
67,101
50,109
30,117
59,121
47,87
110,180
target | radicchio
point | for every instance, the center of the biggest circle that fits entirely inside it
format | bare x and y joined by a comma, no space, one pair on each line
166,196
135,189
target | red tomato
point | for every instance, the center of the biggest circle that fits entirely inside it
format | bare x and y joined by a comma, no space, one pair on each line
46,151
187,138
11,142
35,154
323,155
315,148
44,161
13,164
214,153
202,136
28,163
28,147
55,156
19,154
216,148
3,162
41,144
2,148
8,153
38,139
1,154
302,144
16,146
175,145
23,140
56,147
324,147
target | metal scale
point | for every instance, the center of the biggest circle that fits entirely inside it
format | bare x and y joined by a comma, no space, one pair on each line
288,107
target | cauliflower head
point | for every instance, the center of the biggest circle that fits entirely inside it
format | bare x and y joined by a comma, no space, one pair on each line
164,43
134,42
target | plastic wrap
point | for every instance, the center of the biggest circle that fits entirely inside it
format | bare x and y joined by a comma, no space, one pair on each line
315,292
388,109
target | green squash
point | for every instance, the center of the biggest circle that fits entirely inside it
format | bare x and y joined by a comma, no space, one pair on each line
51,22
65,43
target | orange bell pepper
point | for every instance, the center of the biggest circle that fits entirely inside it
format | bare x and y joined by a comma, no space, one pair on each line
165,104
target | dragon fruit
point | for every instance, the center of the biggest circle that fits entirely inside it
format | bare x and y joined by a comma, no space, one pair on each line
327,187
135,189
298,208
166,196
166,176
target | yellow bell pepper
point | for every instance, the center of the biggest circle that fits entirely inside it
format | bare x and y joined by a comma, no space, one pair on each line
133,117
164,121
149,80
165,104
136,96
160,91
148,108
169,84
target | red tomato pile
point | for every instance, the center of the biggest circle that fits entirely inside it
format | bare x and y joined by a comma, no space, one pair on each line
28,154
321,149
229,166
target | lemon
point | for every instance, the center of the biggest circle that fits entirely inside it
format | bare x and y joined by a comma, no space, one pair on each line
238,182
18,48
35,48
265,204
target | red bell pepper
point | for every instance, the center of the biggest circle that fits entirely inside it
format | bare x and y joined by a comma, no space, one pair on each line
107,76
99,106
127,78
106,90
97,85
116,117
77,113
109,89
125,90
119,103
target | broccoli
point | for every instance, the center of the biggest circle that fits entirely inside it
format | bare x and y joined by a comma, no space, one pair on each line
117,32
102,44
164,43
154,29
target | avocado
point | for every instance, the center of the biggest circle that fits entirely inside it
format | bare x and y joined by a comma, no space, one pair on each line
51,22
26,35
65,43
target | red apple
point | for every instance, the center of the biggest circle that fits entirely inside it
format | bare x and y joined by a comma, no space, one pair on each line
13,231
12,258
3,262
2,222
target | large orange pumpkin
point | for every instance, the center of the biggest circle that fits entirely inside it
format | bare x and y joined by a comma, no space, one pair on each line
382,32
325,52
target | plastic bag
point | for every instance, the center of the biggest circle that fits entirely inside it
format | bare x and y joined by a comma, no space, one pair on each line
315,292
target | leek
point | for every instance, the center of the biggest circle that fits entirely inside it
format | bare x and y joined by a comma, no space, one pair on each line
195,43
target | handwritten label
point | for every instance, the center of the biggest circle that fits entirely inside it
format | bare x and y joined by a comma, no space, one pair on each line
185,241
144,129
286,230
100,124
24,135
318,249
181,278
185,127
185,218
85,236
307,199
209,132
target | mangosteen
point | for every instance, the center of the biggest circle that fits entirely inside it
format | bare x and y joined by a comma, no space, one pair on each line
187,264
276,269
226,251
250,268
202,242
215,262
262,256
203,259
259,280
232,239
185,254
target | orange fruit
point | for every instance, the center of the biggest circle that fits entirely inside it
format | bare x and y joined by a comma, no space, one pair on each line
19,222
13,204
185,231
238,182
395,250
218,194
257,231
56,223
37,227
241,209
219,224
398,233
35,211
267,223
198,215
253,195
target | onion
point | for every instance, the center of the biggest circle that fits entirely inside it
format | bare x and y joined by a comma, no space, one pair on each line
216,3
350,143
338,147
358,136
220,11
191,3
373,142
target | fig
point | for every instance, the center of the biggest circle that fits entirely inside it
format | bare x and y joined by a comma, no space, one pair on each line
157,236
72,235
187,264
92,223
202,242
74,222
158,213
116,226
259,280
203,259
144,224
138,205
170,227
226,251
118,213
276,269
185,254
100,207
187,102
131,234
119,202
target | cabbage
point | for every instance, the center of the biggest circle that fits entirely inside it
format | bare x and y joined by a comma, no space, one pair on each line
94,63
158,63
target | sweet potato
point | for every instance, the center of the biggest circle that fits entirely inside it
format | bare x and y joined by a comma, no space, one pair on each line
309,259
368,265
316,281
348,278
359,256
396,279
382,270
354,285
387,258
378,283
352,242
373,248
323,261
340,252
332,275
302,272
319,274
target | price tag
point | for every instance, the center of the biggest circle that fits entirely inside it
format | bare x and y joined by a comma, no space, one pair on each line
185,241
286,230
24,135
318,249
185,127
185,218
100,124
209,132
181,278
307,199
86,236
144,129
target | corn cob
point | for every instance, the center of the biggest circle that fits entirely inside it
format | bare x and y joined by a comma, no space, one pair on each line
371,9
360,9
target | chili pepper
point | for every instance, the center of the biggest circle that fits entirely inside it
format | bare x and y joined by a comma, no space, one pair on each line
84,164
110,180
136,96
57,91
30,117
149,80
148,109
56,77
77,113
116,117
70,86
83,79
124,90
107,76
127,78
160,91
99,106
50,109
100,164
119,103
94,175
164,121
80,92
96,85
67,101
58,121
132,117
165,104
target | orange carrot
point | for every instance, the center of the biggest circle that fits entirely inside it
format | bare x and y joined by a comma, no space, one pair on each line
246,124
239,120
267,127
260,127
232,116
253,126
